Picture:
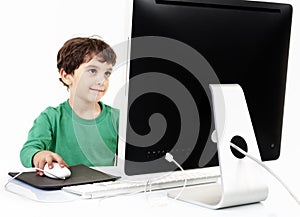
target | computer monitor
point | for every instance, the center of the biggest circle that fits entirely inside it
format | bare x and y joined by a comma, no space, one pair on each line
179,47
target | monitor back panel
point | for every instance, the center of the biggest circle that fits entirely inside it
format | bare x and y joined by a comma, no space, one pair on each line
243,42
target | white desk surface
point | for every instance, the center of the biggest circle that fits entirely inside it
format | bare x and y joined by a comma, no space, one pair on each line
278,203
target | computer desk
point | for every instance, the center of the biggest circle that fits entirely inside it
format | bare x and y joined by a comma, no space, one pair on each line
156,203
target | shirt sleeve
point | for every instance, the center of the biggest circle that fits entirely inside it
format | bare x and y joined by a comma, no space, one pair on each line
39,138
115,115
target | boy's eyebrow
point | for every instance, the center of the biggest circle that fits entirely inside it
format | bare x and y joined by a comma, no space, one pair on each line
95,66
109,69
92,66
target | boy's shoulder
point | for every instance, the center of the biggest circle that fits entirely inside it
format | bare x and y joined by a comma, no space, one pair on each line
51,110
112,111
65,109
109,108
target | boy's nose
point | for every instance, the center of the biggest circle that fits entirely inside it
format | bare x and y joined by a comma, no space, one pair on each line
101,79
101,82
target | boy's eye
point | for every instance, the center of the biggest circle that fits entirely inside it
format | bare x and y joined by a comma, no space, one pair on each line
92,71
107,74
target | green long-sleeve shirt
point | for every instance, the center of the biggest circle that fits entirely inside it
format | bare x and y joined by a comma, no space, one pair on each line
76,140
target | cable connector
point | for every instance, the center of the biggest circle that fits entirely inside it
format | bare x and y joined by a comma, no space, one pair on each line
169,157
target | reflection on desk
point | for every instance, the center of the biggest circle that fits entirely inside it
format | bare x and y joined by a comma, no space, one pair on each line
279,203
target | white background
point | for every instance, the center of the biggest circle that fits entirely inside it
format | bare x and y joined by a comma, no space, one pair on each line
32,31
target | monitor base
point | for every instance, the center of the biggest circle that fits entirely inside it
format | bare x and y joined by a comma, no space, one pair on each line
241,179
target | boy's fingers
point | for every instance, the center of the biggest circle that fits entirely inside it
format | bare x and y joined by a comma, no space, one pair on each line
60,161
49,161
41,165
49,158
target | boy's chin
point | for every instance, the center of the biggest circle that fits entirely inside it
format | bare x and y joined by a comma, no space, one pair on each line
97,99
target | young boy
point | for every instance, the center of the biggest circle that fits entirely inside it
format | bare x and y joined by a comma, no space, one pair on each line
81,130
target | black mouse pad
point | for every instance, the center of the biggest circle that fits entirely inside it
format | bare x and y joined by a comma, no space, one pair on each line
80,174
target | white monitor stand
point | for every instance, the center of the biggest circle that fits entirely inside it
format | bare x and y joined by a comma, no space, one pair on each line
241,181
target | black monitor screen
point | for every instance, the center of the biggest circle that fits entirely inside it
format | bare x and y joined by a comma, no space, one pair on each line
178,48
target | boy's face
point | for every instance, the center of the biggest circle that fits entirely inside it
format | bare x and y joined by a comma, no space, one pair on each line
90,81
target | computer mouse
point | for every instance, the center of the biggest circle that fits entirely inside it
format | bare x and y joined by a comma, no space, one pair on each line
57,172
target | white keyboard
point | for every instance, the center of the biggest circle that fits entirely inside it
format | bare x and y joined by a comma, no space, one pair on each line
119,187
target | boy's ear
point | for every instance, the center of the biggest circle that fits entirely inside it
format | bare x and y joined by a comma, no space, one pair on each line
66,78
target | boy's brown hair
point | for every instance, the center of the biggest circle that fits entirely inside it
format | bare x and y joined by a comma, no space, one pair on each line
80,50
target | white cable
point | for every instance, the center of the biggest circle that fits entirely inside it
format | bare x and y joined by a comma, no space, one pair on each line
12,178
170,158
266,168
150,186
30,170
18,174
146,185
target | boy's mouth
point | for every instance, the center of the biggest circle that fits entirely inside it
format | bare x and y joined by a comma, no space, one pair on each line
97,90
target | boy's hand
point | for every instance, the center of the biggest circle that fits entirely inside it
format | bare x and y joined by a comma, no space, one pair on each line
43,157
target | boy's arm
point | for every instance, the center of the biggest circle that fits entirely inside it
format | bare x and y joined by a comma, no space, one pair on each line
40,137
